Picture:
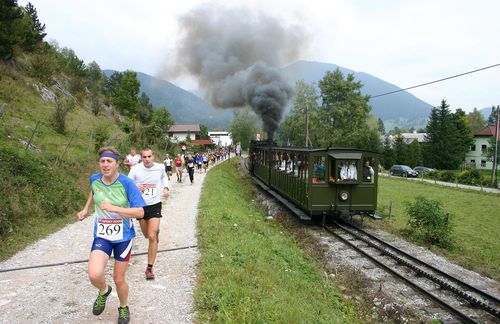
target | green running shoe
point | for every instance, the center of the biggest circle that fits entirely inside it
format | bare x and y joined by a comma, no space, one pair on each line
123,315
100,302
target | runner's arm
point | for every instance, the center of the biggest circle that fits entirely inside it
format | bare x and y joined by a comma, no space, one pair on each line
83,213
136,212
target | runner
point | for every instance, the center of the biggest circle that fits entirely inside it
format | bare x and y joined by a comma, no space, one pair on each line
205,162
199,161
190,166
178,167
116,200
152,181
168,166
132,158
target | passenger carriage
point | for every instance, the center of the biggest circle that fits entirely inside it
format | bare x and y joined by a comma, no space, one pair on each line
317,181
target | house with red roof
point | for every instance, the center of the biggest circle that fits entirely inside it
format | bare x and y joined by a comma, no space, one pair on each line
476,157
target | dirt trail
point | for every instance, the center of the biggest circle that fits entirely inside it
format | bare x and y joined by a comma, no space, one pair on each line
63,294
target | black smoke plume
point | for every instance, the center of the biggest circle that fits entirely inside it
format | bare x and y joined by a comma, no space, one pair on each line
234,55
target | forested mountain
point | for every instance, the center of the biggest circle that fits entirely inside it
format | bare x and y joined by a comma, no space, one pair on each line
400,109
185,107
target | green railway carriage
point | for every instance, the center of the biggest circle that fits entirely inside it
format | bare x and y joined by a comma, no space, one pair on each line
317,181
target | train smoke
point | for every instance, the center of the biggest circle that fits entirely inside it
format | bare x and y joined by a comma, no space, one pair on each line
234,55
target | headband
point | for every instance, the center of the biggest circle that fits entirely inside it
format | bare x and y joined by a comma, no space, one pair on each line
109,154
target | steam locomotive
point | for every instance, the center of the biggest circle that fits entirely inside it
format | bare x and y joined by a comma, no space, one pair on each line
317,182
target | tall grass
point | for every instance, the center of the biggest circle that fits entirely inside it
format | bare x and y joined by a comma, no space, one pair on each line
251,271
476,220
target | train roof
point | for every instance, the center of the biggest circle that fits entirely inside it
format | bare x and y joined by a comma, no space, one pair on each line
265,144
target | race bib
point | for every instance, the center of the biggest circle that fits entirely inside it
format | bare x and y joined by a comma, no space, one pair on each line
149,190
110,229
190,165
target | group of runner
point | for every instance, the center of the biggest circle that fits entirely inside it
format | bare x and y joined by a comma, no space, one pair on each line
117,200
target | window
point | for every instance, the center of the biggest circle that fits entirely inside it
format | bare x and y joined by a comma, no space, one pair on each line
483,163
347,170
483,148
473,147
368,172
319,170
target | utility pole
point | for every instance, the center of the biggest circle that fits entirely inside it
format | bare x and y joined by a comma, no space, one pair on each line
495,160
307,125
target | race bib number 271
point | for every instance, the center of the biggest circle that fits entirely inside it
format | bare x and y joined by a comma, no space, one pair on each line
110,229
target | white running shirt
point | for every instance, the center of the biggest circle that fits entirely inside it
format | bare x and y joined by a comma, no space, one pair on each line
154,179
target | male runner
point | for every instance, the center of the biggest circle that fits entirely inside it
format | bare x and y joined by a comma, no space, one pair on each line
152,181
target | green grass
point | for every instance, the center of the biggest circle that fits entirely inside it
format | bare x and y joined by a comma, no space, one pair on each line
476,220
251,271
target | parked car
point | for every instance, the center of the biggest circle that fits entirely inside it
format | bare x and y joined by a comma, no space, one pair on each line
403,171
421,169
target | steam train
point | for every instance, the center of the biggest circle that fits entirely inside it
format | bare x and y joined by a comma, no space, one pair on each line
317,182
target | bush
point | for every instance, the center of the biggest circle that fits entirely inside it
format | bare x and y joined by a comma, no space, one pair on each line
428,221
32,186
447,176
471,177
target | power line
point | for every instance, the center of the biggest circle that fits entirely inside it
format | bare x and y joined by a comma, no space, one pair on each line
82,261
423,84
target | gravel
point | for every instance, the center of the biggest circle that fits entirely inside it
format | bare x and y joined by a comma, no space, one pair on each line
63,293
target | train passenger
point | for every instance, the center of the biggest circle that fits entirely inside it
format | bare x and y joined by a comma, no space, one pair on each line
368,172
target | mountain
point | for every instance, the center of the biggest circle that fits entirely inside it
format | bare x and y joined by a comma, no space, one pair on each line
185,107
400,109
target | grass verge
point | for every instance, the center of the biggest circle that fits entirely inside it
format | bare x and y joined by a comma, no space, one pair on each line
251,271
476,220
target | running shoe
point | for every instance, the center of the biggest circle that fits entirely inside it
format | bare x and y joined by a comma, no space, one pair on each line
123,315
149,274
100,302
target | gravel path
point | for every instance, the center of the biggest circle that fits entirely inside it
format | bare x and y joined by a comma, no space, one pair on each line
63,294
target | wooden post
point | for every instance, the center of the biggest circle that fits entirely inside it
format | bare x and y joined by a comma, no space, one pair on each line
32,135
67,145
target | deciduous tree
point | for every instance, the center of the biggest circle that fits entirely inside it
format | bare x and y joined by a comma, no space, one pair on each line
243,127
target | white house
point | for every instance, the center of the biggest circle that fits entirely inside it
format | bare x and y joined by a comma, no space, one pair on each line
222,138
407,137
477,154
180,132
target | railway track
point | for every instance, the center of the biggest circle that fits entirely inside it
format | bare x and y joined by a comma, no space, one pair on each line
470,305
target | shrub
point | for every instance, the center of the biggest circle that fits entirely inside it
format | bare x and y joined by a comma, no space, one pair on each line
447,176
31,186
471,177
101,135
428,221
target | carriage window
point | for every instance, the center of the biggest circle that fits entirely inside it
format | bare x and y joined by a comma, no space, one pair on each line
319,170
347,170
368,172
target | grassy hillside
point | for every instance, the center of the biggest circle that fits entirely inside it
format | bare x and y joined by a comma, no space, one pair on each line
42,187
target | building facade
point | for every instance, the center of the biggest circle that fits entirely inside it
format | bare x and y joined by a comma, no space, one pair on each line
221,139
476,157
180,132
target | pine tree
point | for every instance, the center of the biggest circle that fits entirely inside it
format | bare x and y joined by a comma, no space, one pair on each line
10,14
447,139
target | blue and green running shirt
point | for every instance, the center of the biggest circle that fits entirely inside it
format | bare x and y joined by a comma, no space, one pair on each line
122,193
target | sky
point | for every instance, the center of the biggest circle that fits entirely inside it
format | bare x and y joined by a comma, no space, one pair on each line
402,42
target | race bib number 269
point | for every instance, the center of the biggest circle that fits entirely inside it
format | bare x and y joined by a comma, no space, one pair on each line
110,229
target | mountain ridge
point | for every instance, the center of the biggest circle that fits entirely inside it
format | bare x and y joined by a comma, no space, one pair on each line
400,109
